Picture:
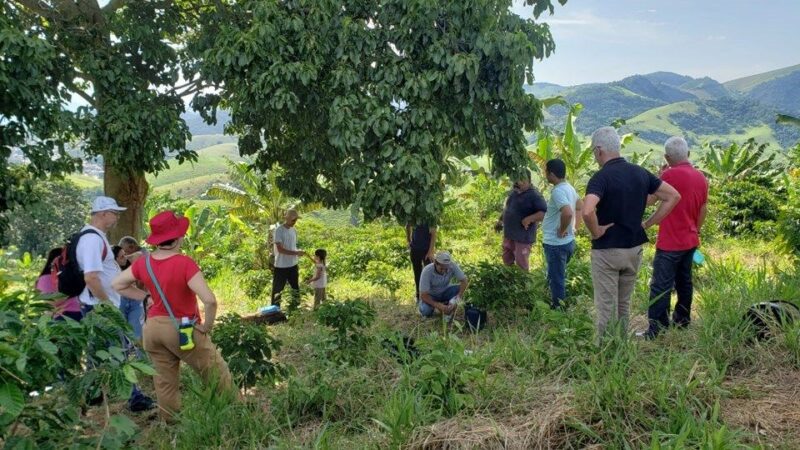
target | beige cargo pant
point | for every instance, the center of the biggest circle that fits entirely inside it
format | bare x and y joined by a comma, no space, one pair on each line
160,340
613,279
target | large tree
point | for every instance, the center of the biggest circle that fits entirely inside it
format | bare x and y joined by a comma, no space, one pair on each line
121,61
361,100
31,118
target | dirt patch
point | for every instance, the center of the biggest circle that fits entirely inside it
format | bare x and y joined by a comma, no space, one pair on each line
766,404
542,428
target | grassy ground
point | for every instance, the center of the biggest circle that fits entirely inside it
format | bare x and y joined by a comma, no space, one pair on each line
533,379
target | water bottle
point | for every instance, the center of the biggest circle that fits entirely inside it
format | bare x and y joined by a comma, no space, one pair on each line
185,334
268,309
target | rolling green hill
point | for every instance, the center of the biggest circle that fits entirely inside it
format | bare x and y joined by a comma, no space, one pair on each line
744,85
708,121
662,104
191,180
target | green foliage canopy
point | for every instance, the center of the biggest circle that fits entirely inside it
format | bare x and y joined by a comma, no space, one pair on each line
360,101
46,221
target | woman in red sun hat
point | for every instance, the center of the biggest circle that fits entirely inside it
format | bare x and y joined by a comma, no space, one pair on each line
174,330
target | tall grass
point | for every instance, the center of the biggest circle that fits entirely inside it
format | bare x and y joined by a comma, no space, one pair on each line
536,379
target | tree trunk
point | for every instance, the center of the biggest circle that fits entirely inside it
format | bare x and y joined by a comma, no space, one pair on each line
129,189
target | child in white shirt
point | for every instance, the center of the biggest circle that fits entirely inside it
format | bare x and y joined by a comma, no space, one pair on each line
320,279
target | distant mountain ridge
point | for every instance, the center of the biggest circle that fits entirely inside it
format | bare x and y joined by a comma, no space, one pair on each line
749,107
705,108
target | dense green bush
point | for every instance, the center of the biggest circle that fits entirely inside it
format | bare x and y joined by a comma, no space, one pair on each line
350,321
57,210
445,374
743,207
789,218
385,276
497,287
248,349
37,353
258,284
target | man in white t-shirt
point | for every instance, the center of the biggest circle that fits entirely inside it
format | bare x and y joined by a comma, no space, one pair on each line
286,256
99,266
95,257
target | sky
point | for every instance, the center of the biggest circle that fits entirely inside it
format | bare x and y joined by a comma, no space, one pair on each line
606,40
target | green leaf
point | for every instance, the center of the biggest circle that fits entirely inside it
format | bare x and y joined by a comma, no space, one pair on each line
12,400
123,425
144,368
46,346
130,373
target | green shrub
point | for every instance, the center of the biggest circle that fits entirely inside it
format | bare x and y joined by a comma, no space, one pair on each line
248,349
743,207
497,287
349,321
446,374
304,398
257,284
789,224
385,276
37,353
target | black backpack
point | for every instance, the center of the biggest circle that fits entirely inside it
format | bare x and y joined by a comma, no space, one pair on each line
763,316
70,275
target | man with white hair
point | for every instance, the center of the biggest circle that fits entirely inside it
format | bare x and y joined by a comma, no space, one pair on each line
678,238
613,209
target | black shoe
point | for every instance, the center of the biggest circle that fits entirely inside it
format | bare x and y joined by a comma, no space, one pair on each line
141,403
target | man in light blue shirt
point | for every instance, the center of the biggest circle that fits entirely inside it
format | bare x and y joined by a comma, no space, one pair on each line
558,229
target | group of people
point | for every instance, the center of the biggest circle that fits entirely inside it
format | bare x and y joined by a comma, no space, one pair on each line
157,293
157,290
613,209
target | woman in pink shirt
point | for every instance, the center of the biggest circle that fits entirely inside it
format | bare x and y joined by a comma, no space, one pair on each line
47,283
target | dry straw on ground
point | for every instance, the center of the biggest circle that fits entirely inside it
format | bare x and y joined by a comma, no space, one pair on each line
771,408
542,428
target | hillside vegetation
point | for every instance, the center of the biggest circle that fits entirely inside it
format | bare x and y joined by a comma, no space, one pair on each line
660,104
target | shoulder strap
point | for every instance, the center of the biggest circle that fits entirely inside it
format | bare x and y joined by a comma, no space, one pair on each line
92,231
160,292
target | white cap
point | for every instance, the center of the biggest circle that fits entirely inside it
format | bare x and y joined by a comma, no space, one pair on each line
105,204
443,258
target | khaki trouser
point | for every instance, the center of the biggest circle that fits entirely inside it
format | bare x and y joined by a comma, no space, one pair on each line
161,344
613,279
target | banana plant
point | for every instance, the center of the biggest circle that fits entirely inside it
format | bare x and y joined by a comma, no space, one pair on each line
739,161
253,196
567,145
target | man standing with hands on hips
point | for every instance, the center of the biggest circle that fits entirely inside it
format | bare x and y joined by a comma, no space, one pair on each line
613,209
524,208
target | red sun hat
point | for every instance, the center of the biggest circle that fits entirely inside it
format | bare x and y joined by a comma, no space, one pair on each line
166,226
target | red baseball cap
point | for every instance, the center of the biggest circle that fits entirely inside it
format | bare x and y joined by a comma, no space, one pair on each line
166,226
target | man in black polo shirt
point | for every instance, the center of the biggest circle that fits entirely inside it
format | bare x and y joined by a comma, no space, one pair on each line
613,209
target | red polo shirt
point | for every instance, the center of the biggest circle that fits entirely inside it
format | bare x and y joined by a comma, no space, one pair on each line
678,231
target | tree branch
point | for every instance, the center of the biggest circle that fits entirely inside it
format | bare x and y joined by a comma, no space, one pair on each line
82,94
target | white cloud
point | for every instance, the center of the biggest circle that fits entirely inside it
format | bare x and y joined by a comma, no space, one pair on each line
587,25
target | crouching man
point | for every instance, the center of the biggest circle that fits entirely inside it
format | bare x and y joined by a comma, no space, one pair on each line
436,293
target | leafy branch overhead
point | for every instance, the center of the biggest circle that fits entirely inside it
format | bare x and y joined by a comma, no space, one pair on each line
366,99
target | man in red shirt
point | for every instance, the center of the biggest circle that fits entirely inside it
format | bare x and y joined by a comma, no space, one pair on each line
678,238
